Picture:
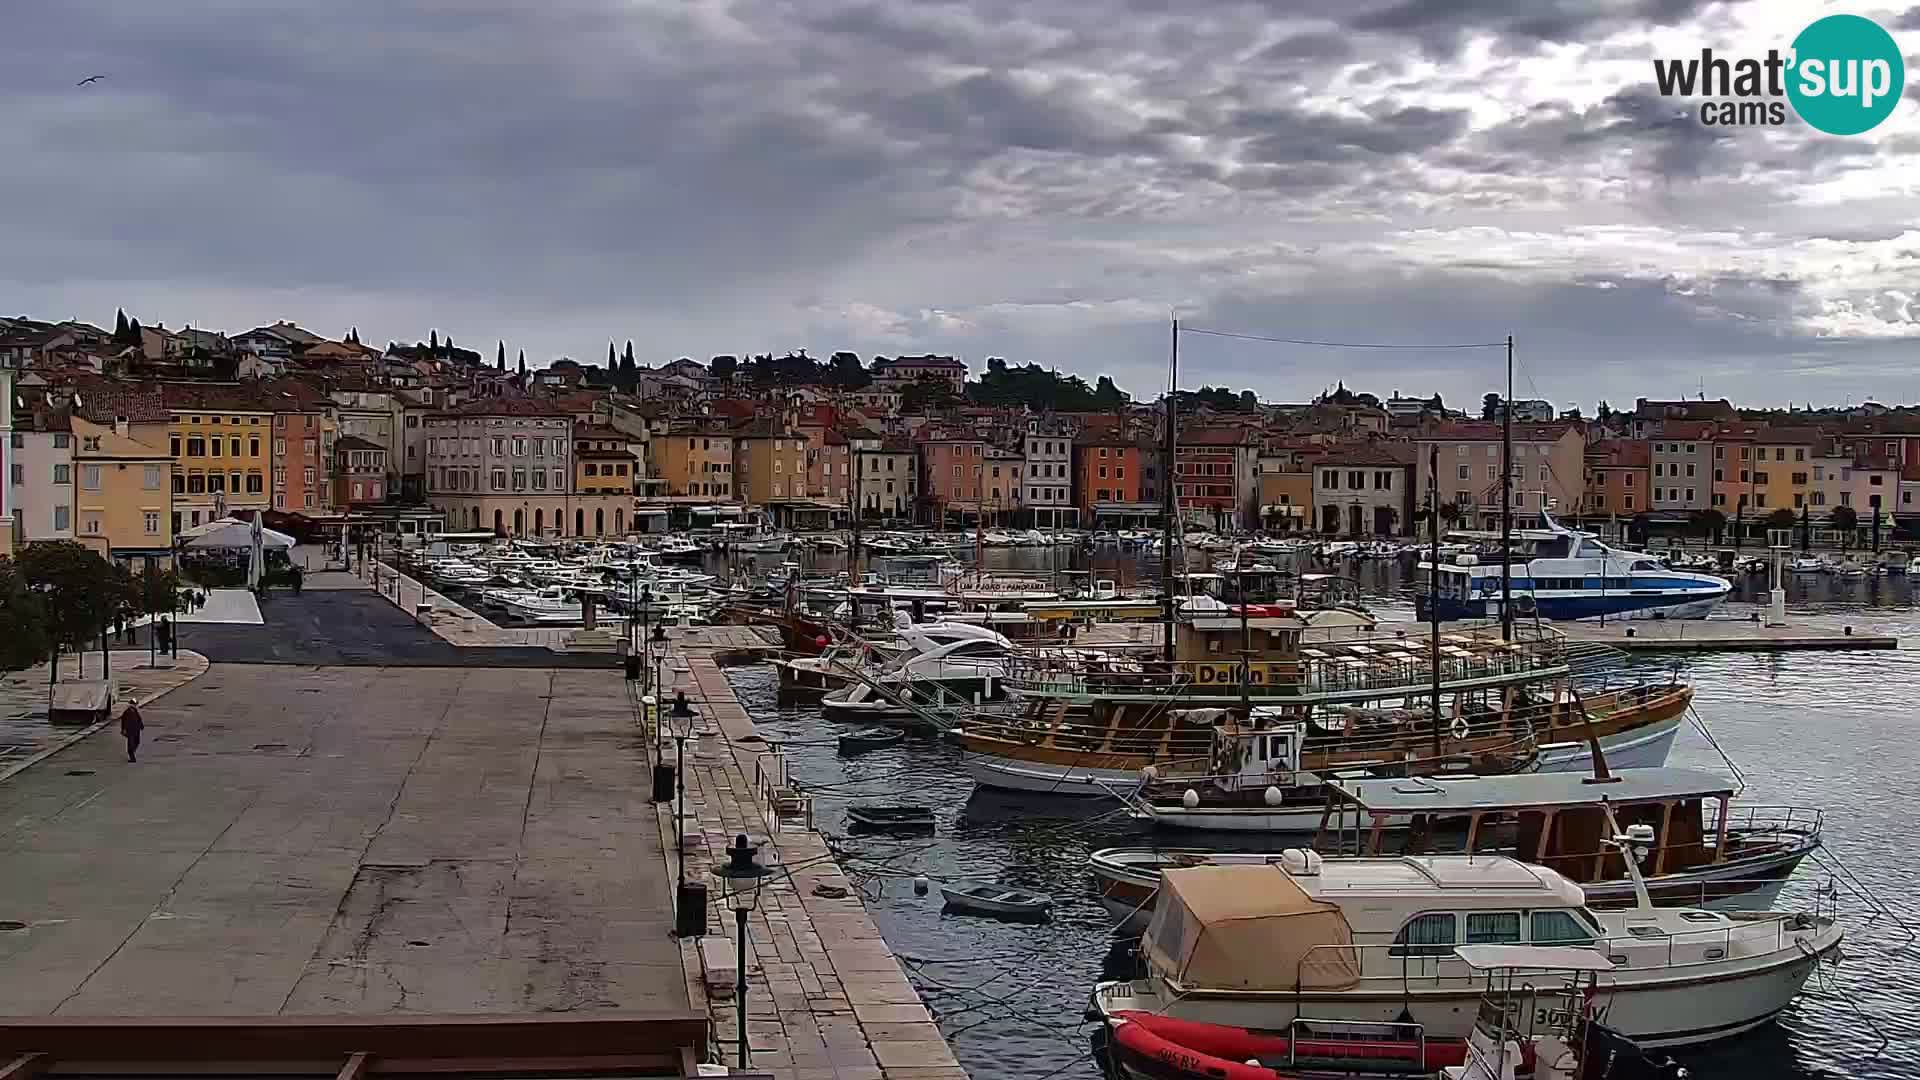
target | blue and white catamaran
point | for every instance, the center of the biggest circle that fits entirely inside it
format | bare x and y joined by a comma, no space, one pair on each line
1561,573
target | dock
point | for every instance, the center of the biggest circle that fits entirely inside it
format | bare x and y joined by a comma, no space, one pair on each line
1722,635
827,997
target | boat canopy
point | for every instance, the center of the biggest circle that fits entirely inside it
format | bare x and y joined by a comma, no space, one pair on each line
1249,928
1474,794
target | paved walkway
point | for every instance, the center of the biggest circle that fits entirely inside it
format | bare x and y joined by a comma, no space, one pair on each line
25,736
826,997
344,840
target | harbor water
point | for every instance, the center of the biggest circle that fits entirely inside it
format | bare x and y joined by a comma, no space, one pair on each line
1827,730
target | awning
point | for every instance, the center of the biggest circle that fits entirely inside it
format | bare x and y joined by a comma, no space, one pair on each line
1248,928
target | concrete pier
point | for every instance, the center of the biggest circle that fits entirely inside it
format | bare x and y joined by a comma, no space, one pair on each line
1721,635
827,999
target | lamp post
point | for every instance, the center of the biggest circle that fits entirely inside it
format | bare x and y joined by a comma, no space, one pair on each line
742,875
681,718
659,647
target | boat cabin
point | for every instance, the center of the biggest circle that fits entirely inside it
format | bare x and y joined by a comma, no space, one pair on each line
1556,820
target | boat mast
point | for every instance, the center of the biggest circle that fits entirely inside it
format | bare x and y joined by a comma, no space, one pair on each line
1506,505
1433,585
1168,503
854,500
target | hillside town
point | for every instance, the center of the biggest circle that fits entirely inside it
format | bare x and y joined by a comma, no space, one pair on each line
123,439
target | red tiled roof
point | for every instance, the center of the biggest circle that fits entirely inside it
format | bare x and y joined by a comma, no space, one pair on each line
1366,454
355,442
105,400
1488,431
1697,430
1619,454
215,397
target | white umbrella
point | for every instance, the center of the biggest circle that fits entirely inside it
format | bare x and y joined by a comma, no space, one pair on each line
229,533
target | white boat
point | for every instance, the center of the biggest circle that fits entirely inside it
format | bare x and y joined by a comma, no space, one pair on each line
947,668
551,604
1807,564
1560,573
995,900
1373,940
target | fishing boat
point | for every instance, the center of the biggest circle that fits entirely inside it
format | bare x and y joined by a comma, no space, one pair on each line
552,604
869,739
891,818
1354,692
1373,941
1561,573
995,900
1706,852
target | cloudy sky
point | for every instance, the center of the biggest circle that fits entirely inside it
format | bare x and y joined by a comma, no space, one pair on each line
1045,180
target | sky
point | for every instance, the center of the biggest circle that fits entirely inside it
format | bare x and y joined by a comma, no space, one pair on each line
1051,181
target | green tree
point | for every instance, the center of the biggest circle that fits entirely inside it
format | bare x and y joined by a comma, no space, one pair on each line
927,394
120,324
80,591
724,367
1108,397
24,637
1781,519
433,342
1604,411
500,356
846,372
156,594
1844,519
1490,407
1709,523
523,363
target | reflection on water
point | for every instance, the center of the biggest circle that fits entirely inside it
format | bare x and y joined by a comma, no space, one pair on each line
1820,729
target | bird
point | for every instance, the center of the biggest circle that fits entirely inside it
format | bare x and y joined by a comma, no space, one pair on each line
89,79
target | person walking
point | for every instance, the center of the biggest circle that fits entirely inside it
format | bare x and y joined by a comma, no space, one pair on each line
131,725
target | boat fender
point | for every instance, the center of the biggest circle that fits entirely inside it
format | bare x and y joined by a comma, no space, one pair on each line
1460,729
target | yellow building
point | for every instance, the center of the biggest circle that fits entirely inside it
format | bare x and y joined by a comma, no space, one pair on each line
122,492
1758,469
221,439
770,465
603,461
696,462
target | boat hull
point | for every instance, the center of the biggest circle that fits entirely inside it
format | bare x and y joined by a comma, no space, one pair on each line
1641,747
1040,778
1656,1008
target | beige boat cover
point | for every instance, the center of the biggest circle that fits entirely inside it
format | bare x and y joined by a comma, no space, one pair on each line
1248,928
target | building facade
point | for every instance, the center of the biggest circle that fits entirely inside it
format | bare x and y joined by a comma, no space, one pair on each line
40,475
1217,476
220,438
884,467
769,464
123,498
951,472
1549,469
1363,489
1681,467
696,462
1619,478
360,473
904,371
1109,480
1047,488
504,464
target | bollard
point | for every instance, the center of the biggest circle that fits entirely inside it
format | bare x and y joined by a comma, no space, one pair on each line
690,909
662,782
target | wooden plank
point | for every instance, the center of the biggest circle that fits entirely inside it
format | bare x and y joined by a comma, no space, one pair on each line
355,1068
24,1067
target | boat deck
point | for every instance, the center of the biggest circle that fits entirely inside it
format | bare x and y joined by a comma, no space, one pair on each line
1720,635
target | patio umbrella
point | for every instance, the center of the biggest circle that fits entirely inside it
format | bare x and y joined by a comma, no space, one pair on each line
234,534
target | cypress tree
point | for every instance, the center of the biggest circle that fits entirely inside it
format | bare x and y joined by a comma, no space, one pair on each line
500,356
120,324
523,363
433,342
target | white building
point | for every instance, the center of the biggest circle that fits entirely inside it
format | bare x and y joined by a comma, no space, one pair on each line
40,476
1048,479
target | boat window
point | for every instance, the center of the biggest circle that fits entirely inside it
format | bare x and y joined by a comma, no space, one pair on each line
1647,932
1425,935
979,648
1644,564
1559,928
1701,917
1493,927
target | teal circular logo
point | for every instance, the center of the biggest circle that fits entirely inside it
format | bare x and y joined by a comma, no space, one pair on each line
1847,74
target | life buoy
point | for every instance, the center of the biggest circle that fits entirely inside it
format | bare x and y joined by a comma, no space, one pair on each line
1523,604
1460,729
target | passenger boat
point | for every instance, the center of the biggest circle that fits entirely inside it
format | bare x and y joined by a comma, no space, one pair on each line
994,900
1560,573
1706,852
1089,721
1372,940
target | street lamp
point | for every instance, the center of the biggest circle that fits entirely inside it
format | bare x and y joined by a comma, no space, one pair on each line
690,900
742,875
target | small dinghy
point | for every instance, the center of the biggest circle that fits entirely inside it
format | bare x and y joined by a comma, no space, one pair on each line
893,818
995,900
873,738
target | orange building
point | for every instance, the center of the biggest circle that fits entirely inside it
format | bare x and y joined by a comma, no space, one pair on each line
1619,479
950,470
1106,473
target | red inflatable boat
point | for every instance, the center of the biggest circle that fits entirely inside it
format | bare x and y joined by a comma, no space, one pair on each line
1146,1045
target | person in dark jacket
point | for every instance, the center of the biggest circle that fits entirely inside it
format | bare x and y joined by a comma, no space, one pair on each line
131,725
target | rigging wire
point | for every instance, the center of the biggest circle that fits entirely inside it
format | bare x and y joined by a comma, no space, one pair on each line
1344,344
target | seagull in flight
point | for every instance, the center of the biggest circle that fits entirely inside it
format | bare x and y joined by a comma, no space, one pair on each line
89,79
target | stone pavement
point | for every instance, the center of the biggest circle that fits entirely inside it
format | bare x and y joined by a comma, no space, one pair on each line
826,1000
25,736
344,840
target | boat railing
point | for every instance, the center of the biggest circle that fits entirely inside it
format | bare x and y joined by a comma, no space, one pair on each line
1065,673
1751,821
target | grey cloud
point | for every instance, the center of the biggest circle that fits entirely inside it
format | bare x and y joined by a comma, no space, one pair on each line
694,174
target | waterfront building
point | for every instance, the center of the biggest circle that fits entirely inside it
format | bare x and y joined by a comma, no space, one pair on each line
504,464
